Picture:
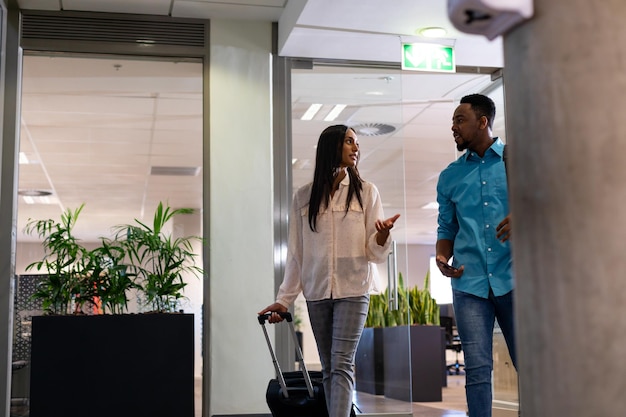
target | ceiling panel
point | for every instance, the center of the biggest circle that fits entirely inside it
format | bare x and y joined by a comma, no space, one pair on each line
268,10
155,7
39,4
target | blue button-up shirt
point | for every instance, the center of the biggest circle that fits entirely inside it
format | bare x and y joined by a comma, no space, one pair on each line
473,199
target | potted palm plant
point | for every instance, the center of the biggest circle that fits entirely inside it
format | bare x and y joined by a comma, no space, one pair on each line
65,263
420,339
143,362
159,261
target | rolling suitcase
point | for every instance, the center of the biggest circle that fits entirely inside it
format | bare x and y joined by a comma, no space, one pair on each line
296,393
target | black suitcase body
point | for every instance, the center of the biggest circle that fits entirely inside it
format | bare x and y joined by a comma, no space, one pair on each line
295,393
299,403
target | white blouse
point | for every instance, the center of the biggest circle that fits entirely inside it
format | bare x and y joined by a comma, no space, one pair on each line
334,261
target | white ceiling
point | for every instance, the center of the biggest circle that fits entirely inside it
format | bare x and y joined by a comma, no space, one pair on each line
124,117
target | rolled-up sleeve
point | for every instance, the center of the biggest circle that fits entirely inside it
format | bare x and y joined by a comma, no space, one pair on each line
448,225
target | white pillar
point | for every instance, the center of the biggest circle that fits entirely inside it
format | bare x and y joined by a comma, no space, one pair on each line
565,85
241,260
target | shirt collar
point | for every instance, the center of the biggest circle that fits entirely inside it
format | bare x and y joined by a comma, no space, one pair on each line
497,146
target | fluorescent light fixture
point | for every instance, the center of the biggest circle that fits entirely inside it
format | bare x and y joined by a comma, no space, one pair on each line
23,158
433,205
45,199
293,161
311,111
332,115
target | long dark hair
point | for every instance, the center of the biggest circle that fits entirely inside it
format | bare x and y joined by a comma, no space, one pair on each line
327,161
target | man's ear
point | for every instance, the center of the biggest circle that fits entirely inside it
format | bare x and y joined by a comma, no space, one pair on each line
484,122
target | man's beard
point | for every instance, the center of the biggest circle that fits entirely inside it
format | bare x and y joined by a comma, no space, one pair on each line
461,146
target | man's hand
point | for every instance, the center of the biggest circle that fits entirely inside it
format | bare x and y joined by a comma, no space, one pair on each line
448,270
504,229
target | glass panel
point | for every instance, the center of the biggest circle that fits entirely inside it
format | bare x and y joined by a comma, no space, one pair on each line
118,135
405,164
505,381
371,102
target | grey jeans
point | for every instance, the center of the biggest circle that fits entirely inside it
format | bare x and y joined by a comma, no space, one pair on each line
337,325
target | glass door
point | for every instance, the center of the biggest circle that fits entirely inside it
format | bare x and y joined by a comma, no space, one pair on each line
370,101
118,135
403,121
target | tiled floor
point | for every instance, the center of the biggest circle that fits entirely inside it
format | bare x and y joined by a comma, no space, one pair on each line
452,404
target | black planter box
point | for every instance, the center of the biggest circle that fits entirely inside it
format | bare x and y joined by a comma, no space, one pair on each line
421,380
112,365
370,362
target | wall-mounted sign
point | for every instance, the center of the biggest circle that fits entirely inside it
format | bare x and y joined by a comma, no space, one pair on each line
427,57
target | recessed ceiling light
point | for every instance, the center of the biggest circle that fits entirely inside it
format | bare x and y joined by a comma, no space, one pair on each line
433,32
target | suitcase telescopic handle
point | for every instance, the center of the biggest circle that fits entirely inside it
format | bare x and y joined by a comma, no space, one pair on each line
263,317
279,375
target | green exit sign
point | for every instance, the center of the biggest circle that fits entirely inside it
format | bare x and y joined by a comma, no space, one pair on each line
427,57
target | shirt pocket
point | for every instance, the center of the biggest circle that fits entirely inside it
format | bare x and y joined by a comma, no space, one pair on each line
354,210
501,188
351,221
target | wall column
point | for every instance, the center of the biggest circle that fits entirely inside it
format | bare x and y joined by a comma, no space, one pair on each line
10,77
565,85
241,228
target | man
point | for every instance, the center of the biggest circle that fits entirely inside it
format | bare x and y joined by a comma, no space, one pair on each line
474,229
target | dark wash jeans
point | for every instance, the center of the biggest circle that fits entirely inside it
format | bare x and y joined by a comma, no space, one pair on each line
475,320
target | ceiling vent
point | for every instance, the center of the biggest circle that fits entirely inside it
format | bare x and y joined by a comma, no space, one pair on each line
34,193
175,171
115,28
373,129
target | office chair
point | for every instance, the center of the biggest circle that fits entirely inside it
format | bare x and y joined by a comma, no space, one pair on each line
453,342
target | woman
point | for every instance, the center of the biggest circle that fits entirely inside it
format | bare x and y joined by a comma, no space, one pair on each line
335,230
